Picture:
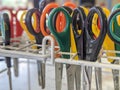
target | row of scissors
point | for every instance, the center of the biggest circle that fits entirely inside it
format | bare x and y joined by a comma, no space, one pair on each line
76,29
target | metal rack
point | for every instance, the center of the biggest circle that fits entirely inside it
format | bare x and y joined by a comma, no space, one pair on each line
25,51
98,66
47,54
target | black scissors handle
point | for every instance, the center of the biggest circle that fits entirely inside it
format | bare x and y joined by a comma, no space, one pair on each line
28,21
78,19
93,45
7,29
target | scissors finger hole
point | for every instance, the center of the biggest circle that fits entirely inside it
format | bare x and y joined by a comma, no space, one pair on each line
51,21
96,25
44,18
101,19
29,21
78,18
59,19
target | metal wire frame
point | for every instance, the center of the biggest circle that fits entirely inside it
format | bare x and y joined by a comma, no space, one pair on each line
24,52
97,65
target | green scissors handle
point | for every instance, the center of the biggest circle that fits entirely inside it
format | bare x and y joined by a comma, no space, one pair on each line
114,27
63,38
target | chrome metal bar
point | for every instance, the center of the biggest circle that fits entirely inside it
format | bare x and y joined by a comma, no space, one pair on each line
111,51
3,70
87,63
20,54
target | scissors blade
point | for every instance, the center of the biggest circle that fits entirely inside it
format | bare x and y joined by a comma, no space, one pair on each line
98,78
16,66
116,77
41,73
58,75
70,76
87,77
78,77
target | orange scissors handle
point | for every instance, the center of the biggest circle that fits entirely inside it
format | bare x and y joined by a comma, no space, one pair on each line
46,10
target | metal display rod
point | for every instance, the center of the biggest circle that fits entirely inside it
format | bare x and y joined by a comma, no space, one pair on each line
81,64
25,52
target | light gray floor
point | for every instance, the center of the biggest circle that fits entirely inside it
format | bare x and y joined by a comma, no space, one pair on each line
21,82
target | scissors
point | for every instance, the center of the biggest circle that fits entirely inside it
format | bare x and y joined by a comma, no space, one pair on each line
5,32
88,47
46,10
73,70
63,39
16,31
14,22
113,32
23,25
93,45
108,44
36,32
78,18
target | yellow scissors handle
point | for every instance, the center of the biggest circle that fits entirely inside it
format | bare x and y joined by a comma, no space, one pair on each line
22,23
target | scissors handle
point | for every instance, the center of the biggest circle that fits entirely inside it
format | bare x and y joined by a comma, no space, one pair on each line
46,10
5,28
23,25
63,38
34,31
113,25
78,19
93,45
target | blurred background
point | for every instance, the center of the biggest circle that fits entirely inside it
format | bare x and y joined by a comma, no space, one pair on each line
29,3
